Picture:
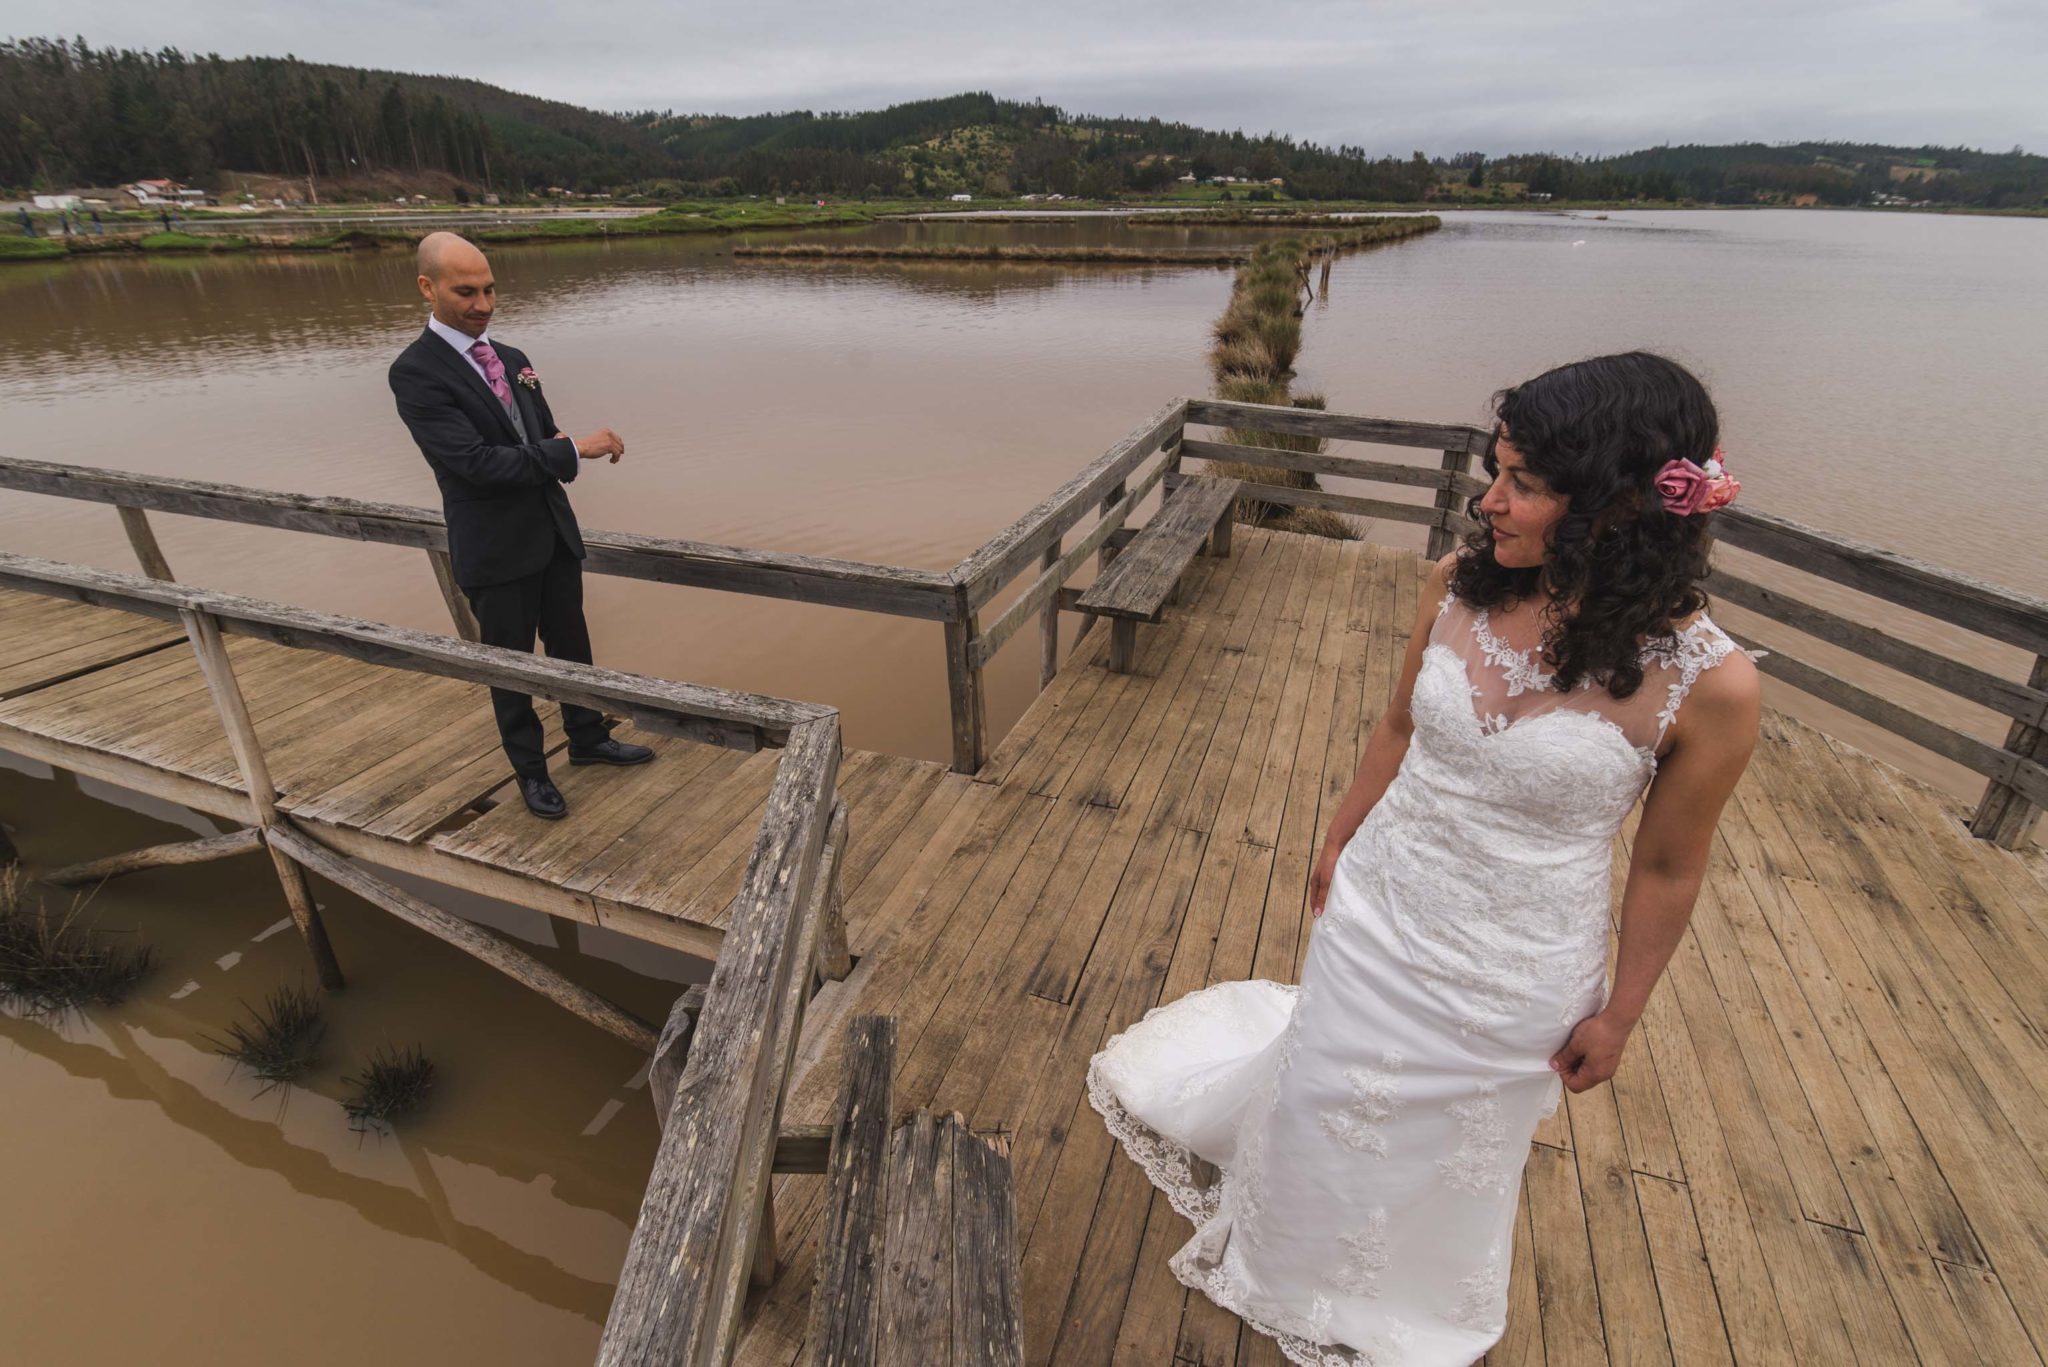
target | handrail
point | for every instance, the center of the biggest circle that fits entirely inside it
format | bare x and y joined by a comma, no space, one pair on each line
737,569
721,716
703,1218
2017,772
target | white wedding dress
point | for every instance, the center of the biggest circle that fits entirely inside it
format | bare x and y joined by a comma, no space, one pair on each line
1370,1126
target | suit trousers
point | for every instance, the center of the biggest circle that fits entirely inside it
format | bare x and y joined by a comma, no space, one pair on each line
550,602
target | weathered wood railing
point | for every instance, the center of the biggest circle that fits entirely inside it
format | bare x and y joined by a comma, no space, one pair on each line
705,1220
1111,486
2017,790
1116,484
774,574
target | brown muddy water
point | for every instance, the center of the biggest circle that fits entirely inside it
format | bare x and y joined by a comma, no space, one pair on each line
1878,376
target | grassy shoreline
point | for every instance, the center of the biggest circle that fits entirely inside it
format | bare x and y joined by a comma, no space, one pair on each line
724,218
713,219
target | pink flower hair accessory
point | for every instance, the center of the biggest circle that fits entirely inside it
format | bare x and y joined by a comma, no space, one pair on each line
1687,488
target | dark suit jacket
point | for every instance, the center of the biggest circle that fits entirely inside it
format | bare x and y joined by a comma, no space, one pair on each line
502,497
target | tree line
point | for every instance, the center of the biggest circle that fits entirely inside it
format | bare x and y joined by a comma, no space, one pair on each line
71,114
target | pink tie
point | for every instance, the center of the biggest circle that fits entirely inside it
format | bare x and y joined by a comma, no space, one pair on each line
494,371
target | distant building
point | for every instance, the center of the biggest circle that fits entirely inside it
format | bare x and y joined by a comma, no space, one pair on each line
58,201
1804,201
963,199
153,191
490,199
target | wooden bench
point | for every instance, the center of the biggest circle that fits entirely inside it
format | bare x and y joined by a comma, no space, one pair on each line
917,1243
1145,575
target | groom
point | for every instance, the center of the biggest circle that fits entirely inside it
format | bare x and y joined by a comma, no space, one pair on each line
476,410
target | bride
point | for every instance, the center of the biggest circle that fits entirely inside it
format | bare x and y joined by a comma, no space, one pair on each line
1370,1126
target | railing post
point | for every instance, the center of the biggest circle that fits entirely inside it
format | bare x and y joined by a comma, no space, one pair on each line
204,633
1049,624
451,593
142,539
835,961
1448,501
2004,817
963,687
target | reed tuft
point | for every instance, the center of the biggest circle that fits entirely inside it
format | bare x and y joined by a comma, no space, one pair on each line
280,1040
391,1085
50,965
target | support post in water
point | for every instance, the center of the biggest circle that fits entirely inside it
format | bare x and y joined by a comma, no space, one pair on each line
204,633
2004,816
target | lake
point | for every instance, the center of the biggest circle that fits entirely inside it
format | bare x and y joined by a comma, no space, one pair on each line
1874,373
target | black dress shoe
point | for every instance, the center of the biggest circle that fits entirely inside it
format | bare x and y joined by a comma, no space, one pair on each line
543,798
612,752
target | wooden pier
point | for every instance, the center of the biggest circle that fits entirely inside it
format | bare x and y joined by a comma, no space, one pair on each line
1828,1141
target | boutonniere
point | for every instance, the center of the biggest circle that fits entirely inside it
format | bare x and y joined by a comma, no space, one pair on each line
528,378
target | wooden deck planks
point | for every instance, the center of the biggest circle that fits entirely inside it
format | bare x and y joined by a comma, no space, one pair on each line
1759,1185
1827,1142
48,640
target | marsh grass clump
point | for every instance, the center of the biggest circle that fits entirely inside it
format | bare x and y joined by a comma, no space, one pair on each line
280,1040
1255,343
1256,340
392,1084
53,964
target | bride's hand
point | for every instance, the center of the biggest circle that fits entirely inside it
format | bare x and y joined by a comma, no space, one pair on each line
1319,879
1591,1055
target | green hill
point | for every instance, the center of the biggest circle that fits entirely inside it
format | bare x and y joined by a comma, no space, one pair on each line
71,114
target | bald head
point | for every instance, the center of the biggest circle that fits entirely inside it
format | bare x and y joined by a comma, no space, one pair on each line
456,280
438,251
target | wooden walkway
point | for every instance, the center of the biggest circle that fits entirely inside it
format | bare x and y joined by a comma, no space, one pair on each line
390,767
1826,1144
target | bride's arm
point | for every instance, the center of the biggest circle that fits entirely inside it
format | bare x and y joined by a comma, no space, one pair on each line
1713,736
1387,745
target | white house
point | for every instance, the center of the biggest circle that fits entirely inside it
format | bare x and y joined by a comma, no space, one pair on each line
58,201
153,191
963,199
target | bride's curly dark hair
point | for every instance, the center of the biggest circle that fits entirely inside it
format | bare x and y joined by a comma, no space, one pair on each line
1597,431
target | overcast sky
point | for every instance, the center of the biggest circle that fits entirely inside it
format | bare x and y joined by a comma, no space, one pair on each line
1389,75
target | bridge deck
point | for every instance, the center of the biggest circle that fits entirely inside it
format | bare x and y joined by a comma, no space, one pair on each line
1826,1143
389,766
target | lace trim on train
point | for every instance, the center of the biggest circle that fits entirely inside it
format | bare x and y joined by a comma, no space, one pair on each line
1303,1339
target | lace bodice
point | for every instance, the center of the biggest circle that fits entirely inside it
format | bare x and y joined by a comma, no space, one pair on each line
1493,839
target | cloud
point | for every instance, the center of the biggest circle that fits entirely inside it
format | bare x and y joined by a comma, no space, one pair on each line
1389,75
